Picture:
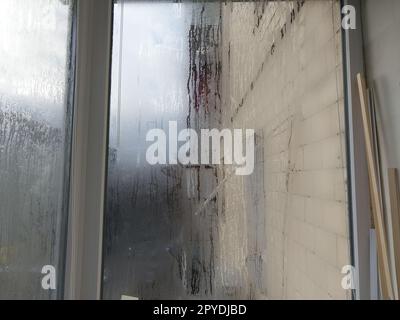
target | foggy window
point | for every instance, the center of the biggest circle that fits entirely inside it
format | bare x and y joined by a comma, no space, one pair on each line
181,220
35,129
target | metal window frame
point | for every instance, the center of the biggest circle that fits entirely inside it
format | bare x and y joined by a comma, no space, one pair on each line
89,150
357,168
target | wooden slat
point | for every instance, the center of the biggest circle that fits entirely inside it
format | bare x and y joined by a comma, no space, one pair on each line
376,143
395,213
387,289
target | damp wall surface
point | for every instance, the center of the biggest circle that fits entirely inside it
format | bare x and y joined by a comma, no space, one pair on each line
283,77
176,231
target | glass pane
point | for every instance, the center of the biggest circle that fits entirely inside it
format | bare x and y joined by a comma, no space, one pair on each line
35,126
184,221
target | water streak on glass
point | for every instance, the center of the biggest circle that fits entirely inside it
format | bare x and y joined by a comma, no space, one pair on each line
179,231
153,248
35,126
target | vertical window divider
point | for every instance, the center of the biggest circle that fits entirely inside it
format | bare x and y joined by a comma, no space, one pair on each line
357,172
83,270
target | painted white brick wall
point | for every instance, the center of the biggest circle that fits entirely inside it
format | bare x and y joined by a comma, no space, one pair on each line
295,98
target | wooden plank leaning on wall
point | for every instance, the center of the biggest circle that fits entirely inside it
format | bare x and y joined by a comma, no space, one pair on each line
395,214
378,215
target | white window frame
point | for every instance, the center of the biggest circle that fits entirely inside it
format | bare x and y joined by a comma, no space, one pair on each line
83,275
83,272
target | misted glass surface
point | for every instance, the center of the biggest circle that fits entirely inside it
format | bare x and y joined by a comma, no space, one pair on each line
35,78
194,231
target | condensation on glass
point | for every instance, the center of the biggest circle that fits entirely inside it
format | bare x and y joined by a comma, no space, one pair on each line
35,126
161,220
175,231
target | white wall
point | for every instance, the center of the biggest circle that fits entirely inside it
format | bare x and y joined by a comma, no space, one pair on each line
294,100
381,26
